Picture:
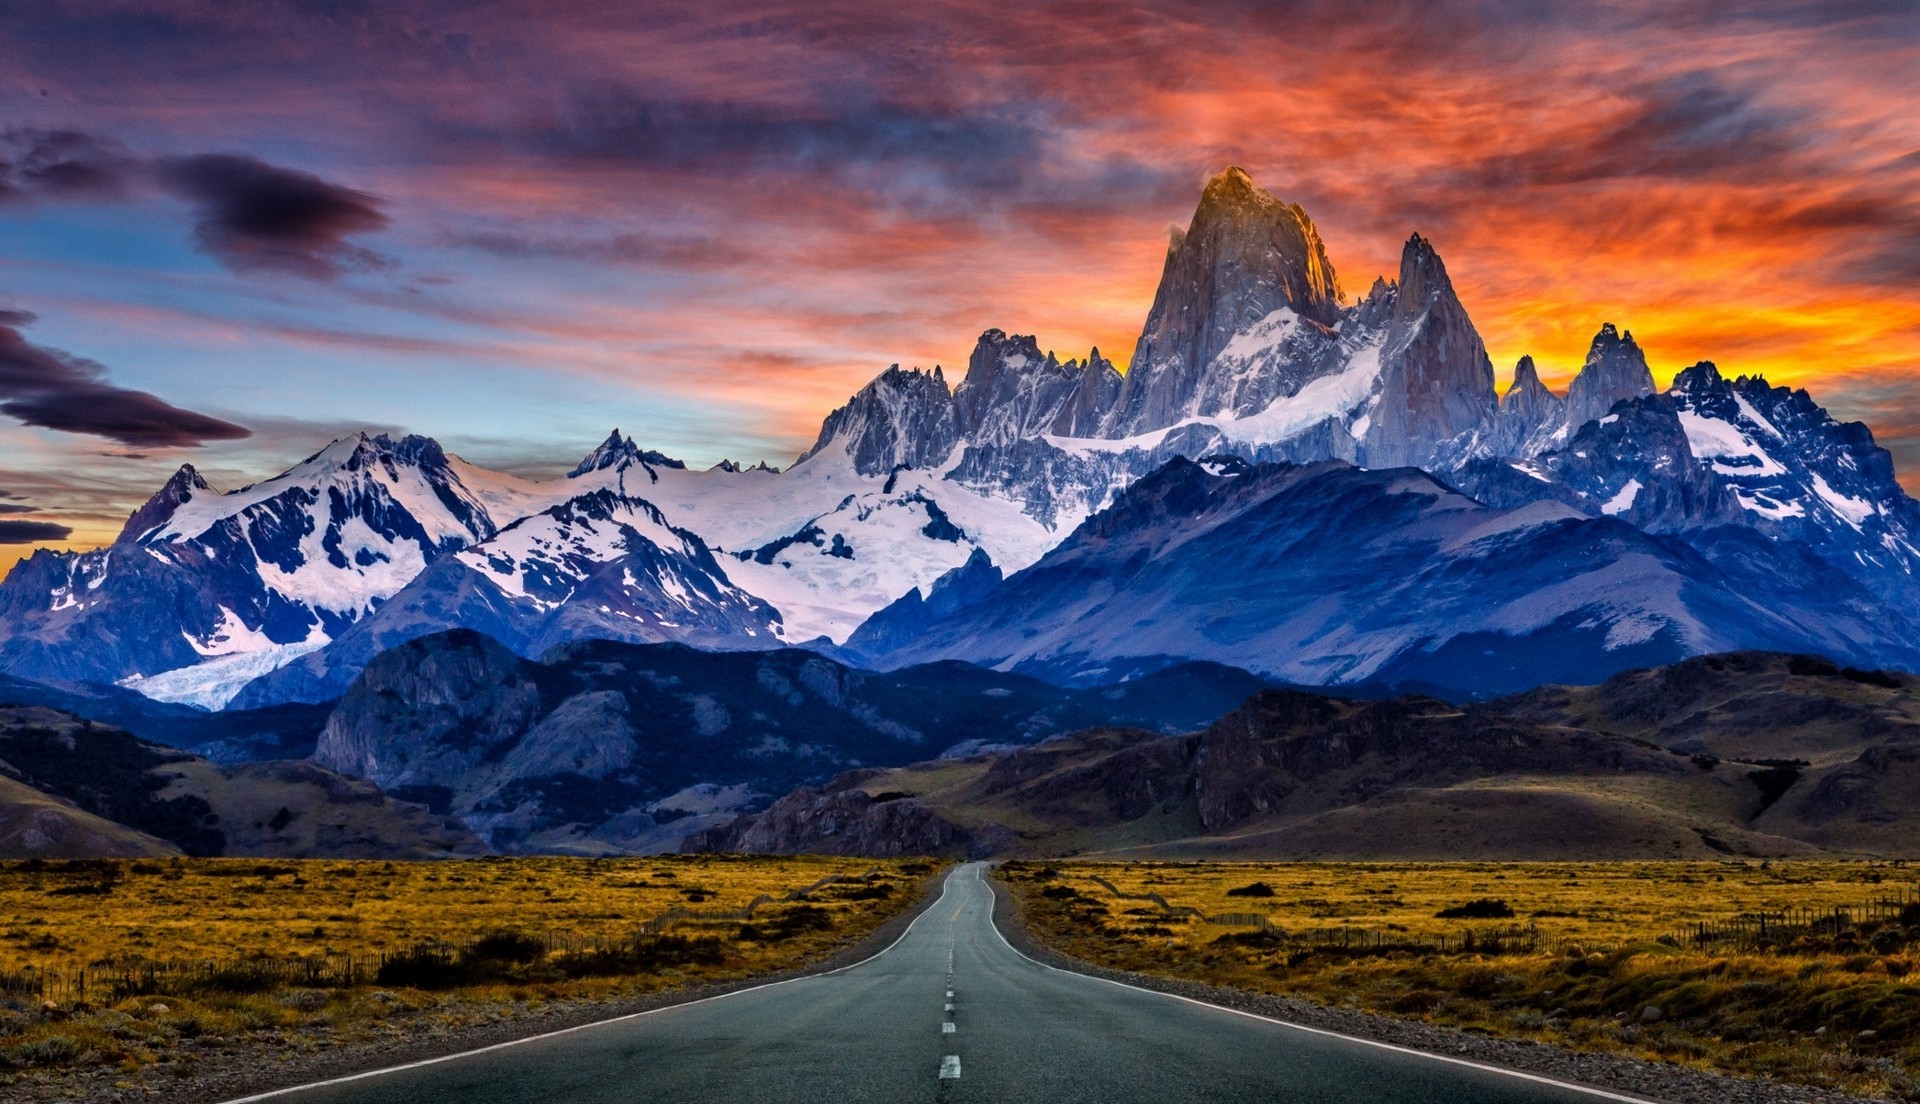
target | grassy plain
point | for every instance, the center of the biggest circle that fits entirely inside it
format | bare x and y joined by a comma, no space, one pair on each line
1578,963
153,962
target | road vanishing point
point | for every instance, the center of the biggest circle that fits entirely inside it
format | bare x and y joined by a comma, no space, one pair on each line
950,1012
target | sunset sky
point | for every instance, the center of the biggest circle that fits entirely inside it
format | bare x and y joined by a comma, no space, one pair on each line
232,232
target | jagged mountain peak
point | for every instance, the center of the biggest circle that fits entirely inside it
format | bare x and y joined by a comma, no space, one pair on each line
1013,392
184,484
357,451
619,451
1615,369
1702,376
903,417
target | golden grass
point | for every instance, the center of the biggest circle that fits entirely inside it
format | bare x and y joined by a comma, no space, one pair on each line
1838,1011
579,917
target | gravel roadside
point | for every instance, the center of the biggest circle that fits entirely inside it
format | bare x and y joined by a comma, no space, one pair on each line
223,1069
1656,1081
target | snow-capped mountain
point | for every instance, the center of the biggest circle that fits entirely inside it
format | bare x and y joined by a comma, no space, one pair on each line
204,588
1327,574
1754,519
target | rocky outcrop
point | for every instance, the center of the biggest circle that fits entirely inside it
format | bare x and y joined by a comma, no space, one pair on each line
74,788
841,822
430,712
1245,256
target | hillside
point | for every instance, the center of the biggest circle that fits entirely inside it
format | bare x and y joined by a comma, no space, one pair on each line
73,788
603,746
1752,754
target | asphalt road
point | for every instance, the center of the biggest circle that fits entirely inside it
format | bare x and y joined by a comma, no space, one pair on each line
950,1013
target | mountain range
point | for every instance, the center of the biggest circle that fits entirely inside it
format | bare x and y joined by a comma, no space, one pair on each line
1320,490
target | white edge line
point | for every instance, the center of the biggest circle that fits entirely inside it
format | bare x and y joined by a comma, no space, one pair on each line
1486,1067
424,1062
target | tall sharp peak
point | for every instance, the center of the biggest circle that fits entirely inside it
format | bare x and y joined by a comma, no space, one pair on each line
1234,186
1233,207
1615,369
619,451
1245,256
183,485
1524,372
1423,275
1611,340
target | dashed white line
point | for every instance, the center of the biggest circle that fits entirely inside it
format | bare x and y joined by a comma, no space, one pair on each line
947,1028
949,1007
950,1067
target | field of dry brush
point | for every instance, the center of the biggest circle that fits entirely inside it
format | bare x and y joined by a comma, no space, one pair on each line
1793,970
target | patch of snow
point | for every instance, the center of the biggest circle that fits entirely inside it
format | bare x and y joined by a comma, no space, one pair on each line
1766,506
1622,502
231,637
1853,511
1256,339
1716,441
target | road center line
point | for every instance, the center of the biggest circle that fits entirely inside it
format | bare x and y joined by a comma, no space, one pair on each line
947,1028
950,1067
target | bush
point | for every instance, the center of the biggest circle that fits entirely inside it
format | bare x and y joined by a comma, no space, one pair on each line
54,1050
1256,889
422,968
1480,908
505,946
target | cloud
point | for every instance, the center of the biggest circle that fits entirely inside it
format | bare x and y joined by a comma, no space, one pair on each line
32,532
62,164
56,390
254,216
684,252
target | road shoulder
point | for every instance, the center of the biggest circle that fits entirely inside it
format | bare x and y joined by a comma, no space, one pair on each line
1653,1080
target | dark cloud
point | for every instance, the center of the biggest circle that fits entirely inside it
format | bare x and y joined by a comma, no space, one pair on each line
15,508
62,164
256,216
681,252
1686,126
927,156
57,390
32,532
